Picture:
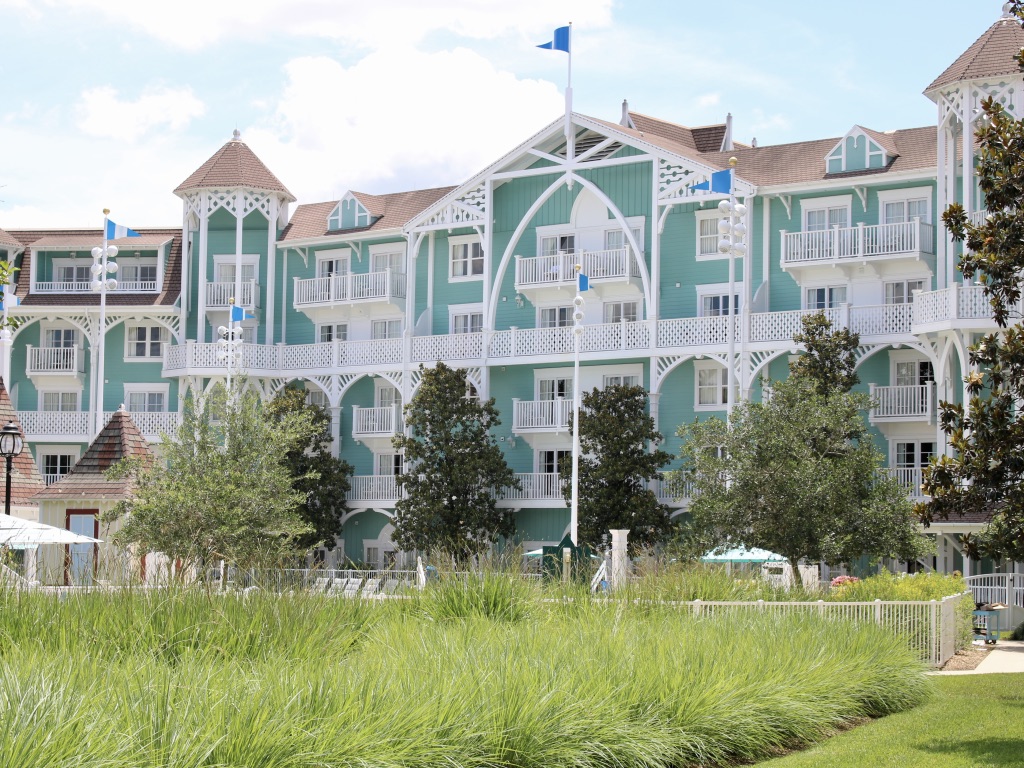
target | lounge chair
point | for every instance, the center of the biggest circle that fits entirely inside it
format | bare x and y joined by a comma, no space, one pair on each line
352,587
390,586
371,588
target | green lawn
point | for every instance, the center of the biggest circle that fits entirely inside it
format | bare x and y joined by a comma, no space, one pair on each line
972,721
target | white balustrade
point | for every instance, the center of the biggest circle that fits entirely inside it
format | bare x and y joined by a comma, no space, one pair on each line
973,303
903,402
373,352
51,478
977,218
561,267
909,478
672,489
541,414
373,488
152,423
958,302
863,241
69,286
136,286
386,284
385,420
782,326
455,346
881,319
696,331
536,485
219,295
54,360
70,424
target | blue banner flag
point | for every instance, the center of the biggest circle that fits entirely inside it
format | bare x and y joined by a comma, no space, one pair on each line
560,42
582,283
238,315
115,231
721,181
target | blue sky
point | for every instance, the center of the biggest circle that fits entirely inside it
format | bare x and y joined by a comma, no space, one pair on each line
112,103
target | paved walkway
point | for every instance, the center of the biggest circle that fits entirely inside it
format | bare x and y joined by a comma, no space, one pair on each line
1007,656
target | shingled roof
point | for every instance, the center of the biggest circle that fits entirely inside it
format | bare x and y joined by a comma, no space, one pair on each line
393,211
234,165
119,439
8,240
25,478
991,55
707,138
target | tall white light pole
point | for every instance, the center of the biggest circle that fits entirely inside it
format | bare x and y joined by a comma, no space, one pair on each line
732,231
230,344
103,270
577,336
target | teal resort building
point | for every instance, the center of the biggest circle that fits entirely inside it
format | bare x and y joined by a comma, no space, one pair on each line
350,297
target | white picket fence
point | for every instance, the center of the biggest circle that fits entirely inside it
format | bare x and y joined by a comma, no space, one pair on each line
1005,588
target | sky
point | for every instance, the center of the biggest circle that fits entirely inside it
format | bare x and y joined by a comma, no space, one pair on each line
113,103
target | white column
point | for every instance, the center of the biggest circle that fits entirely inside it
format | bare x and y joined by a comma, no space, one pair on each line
620,559
655,305
239,222
268,316
335,411
203,261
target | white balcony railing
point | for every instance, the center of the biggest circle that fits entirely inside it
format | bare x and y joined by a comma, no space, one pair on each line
373,488
62,286
561,267
536,485
860,242
219,295
909,478
385,285
958,302
546,415
55,360
136,286
370,422
910,402
77,426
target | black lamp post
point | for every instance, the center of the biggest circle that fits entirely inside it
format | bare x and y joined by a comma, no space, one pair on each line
11,443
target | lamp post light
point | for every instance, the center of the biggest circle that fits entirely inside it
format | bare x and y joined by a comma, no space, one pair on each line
577,335
11,443
103,271
229,345
732,231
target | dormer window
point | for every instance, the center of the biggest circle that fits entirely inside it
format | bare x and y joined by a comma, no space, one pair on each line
348,214
860,150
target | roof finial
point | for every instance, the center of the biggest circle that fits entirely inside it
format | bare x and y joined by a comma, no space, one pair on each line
236,135
1007,10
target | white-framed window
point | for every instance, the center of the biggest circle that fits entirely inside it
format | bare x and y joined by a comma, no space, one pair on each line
224,268
907,369
465,318
58,401
385,395
467,258
333,263
317,397
902,291
618,380
619,311
896,206
712,385
549,461
72,270
389,464
552,245
138,274
144,341
326,332
826,213
554,317
386,329
713,299
707,235
825,297
56,465
385,257
913,453
60,338
146,398
558,388
615,239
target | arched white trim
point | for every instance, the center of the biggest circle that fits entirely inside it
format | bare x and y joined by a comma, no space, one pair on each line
360,510
765,362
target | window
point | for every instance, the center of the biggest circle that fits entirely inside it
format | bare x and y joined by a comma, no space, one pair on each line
554,317
621,381
908,373
826,298
145,341
620,311
902,291
73,273
467,259
389,464
470,322
60,338
549,461
393,260
552,246
715,305
226,270
147,402
317,397
332,332
820,219
900,211
615,239
331,266
386,396
712,386
138,276
59,401
386,329
554,389
914,454
56,466
707,235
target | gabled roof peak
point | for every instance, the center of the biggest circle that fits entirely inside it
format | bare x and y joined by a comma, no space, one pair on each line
234,165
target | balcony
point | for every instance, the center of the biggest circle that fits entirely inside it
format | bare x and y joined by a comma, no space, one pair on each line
560,269
540,415
83,286
373,489
959,306
914,402
76,426
384,421
50,361
861,243
219,295
910,478
327,291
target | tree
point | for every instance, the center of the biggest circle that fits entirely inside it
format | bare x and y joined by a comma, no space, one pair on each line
799,474
454,470
222,489
829,357
618,459
985,473
321,478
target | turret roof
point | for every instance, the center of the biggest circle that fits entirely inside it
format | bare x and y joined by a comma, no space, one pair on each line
25,479
991,55
234,165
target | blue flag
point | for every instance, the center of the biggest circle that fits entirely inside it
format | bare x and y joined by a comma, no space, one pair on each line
721,181
560,42
582,283
114,231
238,314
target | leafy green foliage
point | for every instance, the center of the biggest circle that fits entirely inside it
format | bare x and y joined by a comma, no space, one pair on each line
985,473
222,490
828,358
617,463
799,475
454,469
321,478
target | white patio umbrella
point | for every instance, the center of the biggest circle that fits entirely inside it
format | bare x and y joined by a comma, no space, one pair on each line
19,533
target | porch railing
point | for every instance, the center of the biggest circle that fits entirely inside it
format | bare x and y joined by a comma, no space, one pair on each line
860,242
903,402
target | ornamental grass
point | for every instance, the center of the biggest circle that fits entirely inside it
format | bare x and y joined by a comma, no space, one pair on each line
491,677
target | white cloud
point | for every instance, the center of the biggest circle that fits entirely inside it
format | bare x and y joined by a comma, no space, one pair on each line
396,121
103,114
194,24
709,100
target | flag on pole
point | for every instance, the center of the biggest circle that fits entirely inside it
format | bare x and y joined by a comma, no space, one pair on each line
720,181
560,41
238,314
115,231
582,283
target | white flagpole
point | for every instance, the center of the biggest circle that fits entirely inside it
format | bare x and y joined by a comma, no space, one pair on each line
100,373
570,144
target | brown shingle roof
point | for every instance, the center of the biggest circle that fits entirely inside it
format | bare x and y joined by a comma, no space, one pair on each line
25,479
394,210
119,439
991,55
8,240
87,238
885,140
234,165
